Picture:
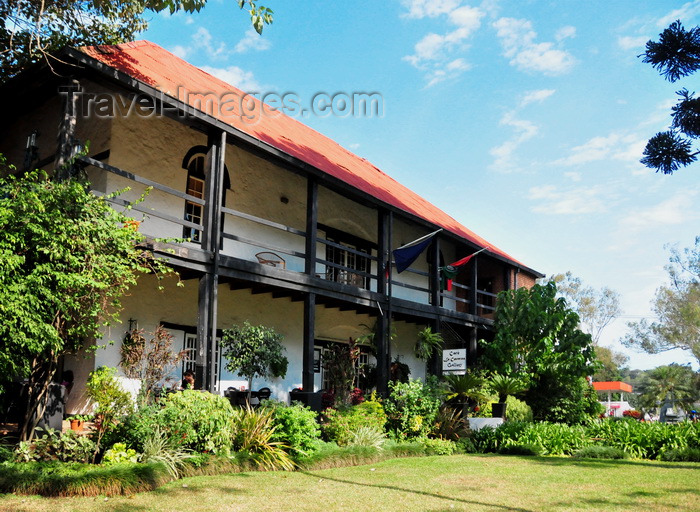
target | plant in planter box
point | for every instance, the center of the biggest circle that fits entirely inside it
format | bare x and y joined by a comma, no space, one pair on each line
504,386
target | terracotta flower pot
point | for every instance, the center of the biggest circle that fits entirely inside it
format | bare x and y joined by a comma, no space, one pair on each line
76,425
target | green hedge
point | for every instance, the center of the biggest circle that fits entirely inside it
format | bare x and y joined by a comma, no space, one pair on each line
636,439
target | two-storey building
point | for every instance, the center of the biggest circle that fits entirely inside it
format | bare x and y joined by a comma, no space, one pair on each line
285,227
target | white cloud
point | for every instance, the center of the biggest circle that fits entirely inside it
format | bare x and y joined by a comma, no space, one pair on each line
683,13
536,96
673,211
429,8
621,146
204,40
573,176
243,80
180,51
574,201
252,41
467,17
518,40
436,54
631,43
503,154
565,33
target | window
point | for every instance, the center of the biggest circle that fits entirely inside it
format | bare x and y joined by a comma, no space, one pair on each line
190,348
349,252
195,188
350,261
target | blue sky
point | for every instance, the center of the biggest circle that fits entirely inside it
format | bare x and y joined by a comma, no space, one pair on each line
525,120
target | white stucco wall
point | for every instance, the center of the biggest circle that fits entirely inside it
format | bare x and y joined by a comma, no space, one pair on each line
178,305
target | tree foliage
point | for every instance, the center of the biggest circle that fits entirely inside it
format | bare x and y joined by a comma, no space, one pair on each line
66,258
31,30
611,364
254,351
665,382
675,55
595,308
538,339
676,306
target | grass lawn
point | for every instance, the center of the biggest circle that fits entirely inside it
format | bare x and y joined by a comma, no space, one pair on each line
462,482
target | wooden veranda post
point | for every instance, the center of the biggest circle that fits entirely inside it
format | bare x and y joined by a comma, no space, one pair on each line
209,282
65,150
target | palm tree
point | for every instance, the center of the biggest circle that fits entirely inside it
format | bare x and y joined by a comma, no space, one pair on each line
673,381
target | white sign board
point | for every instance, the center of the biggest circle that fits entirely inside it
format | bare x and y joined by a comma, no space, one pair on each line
454,361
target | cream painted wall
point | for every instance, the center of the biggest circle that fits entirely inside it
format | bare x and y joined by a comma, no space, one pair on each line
178,305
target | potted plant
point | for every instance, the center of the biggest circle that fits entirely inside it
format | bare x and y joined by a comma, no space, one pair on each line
465,391
77,421
504,386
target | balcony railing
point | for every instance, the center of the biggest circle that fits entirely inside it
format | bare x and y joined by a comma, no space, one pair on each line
244,235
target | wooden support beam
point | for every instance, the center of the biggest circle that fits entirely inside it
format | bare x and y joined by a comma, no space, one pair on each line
311,226
309,334
66,131
473,296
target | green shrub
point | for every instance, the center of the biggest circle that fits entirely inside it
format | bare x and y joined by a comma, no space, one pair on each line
206,416
54,446
411,409
600,452
119,454
439,446
194,420
682,455
6,453
550,438
517,410
295,426
644,440
338,424
521,449
466,445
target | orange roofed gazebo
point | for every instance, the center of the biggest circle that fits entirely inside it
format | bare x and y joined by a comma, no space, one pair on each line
614,408
615,386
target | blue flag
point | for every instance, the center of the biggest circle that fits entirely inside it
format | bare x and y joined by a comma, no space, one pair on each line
407,254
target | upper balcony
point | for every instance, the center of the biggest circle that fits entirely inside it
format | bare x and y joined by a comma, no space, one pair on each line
265,211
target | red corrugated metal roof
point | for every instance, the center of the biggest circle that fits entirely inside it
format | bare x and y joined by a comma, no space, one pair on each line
616,386
158,68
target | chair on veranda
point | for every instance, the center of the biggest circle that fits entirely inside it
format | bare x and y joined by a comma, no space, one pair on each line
271,259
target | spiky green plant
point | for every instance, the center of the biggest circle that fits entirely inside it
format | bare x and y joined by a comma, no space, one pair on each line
158,447
253,431
505,386
367,436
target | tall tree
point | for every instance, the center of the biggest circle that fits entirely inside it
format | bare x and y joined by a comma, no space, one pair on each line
675,55
538,339
66,258
677,308
611,364
31,30
595,308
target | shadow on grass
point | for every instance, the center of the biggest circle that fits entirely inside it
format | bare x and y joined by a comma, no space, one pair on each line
607,463
631,501
414,491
